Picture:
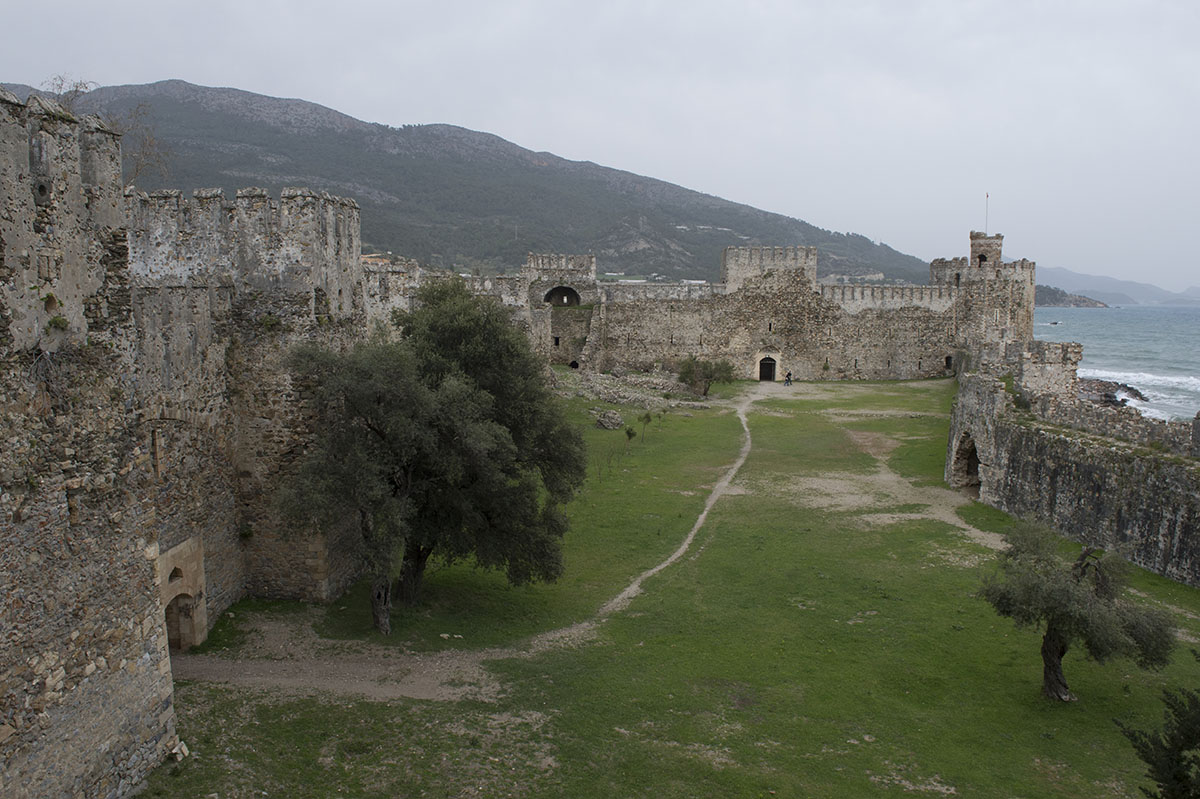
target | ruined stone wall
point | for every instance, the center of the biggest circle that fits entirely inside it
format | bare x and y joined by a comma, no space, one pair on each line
1096,490
222,292
1049,368
307,242
194,493
48,269
390,287
772,307
272,428
1124,423
85,686
658,292
511,290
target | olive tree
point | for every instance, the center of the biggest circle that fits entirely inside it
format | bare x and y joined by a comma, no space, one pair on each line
1081,601
509,514
383,443
700,375
439,439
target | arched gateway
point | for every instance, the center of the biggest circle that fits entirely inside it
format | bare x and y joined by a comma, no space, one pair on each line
766,368
562,296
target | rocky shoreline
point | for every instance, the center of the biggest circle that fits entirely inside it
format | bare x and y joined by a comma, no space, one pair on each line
1108,393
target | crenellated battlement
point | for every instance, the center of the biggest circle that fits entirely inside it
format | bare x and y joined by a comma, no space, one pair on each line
60,214
739,264
986,262
560,266
858,297
304,240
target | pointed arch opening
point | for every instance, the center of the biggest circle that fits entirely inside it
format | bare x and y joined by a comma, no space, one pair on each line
964,469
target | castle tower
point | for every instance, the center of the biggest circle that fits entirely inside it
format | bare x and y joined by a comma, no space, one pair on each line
740,265
60,226
996,298
985,249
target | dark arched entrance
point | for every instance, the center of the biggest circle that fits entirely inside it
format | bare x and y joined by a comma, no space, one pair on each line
562,296
766,368
964,471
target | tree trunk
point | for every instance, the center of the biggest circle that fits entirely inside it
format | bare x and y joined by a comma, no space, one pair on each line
412,569
1054,684
381,604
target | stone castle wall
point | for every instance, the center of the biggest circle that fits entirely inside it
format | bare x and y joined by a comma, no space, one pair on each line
742,264
1090,486
770,308
148,414
85,687
143,358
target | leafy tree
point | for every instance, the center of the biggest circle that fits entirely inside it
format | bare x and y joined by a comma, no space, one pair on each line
1079,601
507,512
443,440
700,375
384,443
1172,755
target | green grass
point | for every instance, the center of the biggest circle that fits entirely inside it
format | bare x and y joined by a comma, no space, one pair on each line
230,631
639,501
795,652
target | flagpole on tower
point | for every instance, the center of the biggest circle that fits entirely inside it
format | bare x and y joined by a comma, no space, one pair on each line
986,198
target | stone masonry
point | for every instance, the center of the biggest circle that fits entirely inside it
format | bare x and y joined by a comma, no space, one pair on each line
148,412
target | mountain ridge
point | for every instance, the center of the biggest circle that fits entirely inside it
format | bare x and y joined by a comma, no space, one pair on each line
1112,290
450,196
455,197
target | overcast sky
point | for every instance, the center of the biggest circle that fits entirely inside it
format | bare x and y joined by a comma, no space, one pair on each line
887,118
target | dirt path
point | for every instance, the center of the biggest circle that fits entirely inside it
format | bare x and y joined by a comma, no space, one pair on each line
285,654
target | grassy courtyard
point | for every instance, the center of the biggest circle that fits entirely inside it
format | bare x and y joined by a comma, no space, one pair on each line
821,637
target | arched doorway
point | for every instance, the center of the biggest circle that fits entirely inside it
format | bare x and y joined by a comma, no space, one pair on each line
561,296
766,368
964,470
181,623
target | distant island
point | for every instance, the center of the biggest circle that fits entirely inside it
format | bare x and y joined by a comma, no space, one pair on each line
1050,297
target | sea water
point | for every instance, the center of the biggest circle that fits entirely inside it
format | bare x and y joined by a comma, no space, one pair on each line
1154,349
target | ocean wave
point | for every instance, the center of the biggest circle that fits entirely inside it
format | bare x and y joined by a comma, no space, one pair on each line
1146,380
1149,411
